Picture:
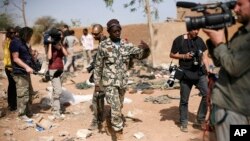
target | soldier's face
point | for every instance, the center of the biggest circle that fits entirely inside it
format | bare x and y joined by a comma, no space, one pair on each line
97,36
115,33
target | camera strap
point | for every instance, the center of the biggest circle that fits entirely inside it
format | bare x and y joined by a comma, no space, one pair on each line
226,36
190,44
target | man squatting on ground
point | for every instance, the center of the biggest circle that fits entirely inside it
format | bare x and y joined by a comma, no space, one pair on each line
110,74
231,93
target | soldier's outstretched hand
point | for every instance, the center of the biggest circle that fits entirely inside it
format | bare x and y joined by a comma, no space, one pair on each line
143,45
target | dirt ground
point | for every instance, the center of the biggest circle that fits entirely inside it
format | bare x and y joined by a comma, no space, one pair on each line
157,122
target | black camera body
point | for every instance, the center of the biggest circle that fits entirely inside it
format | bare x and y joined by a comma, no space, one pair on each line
175,73
196,55
210,21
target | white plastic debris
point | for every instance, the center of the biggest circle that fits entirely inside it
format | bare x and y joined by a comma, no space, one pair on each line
139,135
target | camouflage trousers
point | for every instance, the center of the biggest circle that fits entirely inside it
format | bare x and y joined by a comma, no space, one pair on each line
57,91
24,96
115,97
98,106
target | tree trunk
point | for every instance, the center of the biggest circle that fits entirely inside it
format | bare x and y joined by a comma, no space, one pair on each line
151,33
23,13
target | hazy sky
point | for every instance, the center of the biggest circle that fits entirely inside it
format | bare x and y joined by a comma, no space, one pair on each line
91,11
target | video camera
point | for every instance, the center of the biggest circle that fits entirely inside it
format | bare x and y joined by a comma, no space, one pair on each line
209,21
52,36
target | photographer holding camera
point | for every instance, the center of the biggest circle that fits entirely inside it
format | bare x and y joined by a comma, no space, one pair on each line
56,52
231,93
191,51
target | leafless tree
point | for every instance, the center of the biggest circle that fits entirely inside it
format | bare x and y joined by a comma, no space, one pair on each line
20,7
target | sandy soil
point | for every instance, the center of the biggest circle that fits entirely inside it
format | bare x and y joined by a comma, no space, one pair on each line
158,122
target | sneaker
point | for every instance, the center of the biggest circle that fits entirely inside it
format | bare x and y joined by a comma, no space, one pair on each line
93,125
184,128
25,118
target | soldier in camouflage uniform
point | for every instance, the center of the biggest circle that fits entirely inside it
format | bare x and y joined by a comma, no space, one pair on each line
98,97
111,69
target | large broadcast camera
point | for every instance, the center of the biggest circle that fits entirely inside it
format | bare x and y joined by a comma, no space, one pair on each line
52,36
209,21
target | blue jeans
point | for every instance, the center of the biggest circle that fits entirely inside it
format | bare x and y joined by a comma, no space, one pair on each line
186,86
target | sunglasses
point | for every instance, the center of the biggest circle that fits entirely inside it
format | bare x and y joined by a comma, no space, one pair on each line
95,34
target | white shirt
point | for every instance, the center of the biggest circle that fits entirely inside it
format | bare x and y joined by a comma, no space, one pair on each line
87,42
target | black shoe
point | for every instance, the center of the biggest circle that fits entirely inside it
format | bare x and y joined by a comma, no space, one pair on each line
45,80
184,128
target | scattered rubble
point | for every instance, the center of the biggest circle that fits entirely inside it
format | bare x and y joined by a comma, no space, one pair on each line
163,99
139,135
83,133
8,133
64,134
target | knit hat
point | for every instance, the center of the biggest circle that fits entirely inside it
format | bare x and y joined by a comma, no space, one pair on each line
113,22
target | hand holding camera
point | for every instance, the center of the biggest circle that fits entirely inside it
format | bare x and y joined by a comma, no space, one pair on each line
188,55
216,36
196,56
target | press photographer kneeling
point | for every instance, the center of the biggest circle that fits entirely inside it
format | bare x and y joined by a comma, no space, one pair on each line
191,51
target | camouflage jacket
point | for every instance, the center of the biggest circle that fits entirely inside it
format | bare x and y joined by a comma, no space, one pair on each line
112,63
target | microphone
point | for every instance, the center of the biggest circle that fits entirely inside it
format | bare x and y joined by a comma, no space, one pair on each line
185,4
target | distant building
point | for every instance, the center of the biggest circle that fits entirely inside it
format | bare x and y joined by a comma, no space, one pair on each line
184,12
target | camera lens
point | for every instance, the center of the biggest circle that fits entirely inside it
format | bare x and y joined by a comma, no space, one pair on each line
195,22
213,21
170,83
